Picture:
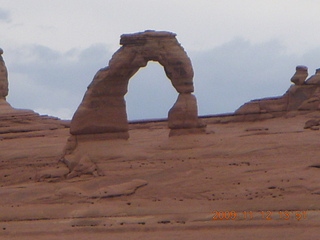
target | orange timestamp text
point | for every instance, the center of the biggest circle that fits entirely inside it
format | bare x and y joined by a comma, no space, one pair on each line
268,215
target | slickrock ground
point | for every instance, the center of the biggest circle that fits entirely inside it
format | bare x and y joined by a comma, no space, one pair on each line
156,187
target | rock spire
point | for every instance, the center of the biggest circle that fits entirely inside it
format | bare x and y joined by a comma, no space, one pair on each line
3,78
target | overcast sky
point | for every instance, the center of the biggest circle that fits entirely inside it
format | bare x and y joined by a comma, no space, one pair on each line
240,50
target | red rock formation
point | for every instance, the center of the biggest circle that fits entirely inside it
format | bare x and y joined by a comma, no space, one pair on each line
303,96
3,78
103,108
300,75
315,79
183,116
102,113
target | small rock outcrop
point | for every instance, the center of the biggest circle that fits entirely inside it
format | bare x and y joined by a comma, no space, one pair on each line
103,108
300,75
312,124
304,95
315,79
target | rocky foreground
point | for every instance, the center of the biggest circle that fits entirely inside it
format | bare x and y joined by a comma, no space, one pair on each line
241,180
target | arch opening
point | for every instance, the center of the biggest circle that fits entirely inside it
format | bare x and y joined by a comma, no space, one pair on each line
150,93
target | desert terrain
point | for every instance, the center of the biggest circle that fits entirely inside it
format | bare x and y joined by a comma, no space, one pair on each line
251,174
153,186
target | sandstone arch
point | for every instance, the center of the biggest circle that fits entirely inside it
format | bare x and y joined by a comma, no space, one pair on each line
103,108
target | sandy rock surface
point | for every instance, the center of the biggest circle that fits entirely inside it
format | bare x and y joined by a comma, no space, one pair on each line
154,187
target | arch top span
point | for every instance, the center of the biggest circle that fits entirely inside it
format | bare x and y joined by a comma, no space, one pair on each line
103,109
143,37
140,48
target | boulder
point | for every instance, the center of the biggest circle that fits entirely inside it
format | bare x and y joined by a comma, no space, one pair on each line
312,123
300,75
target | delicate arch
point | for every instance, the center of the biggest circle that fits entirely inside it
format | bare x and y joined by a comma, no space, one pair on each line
103,108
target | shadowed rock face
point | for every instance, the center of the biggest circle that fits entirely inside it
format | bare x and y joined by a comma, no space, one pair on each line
103,108
3,78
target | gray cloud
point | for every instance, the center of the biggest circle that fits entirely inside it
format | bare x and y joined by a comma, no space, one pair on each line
239,71
42,78
5,15
225,77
